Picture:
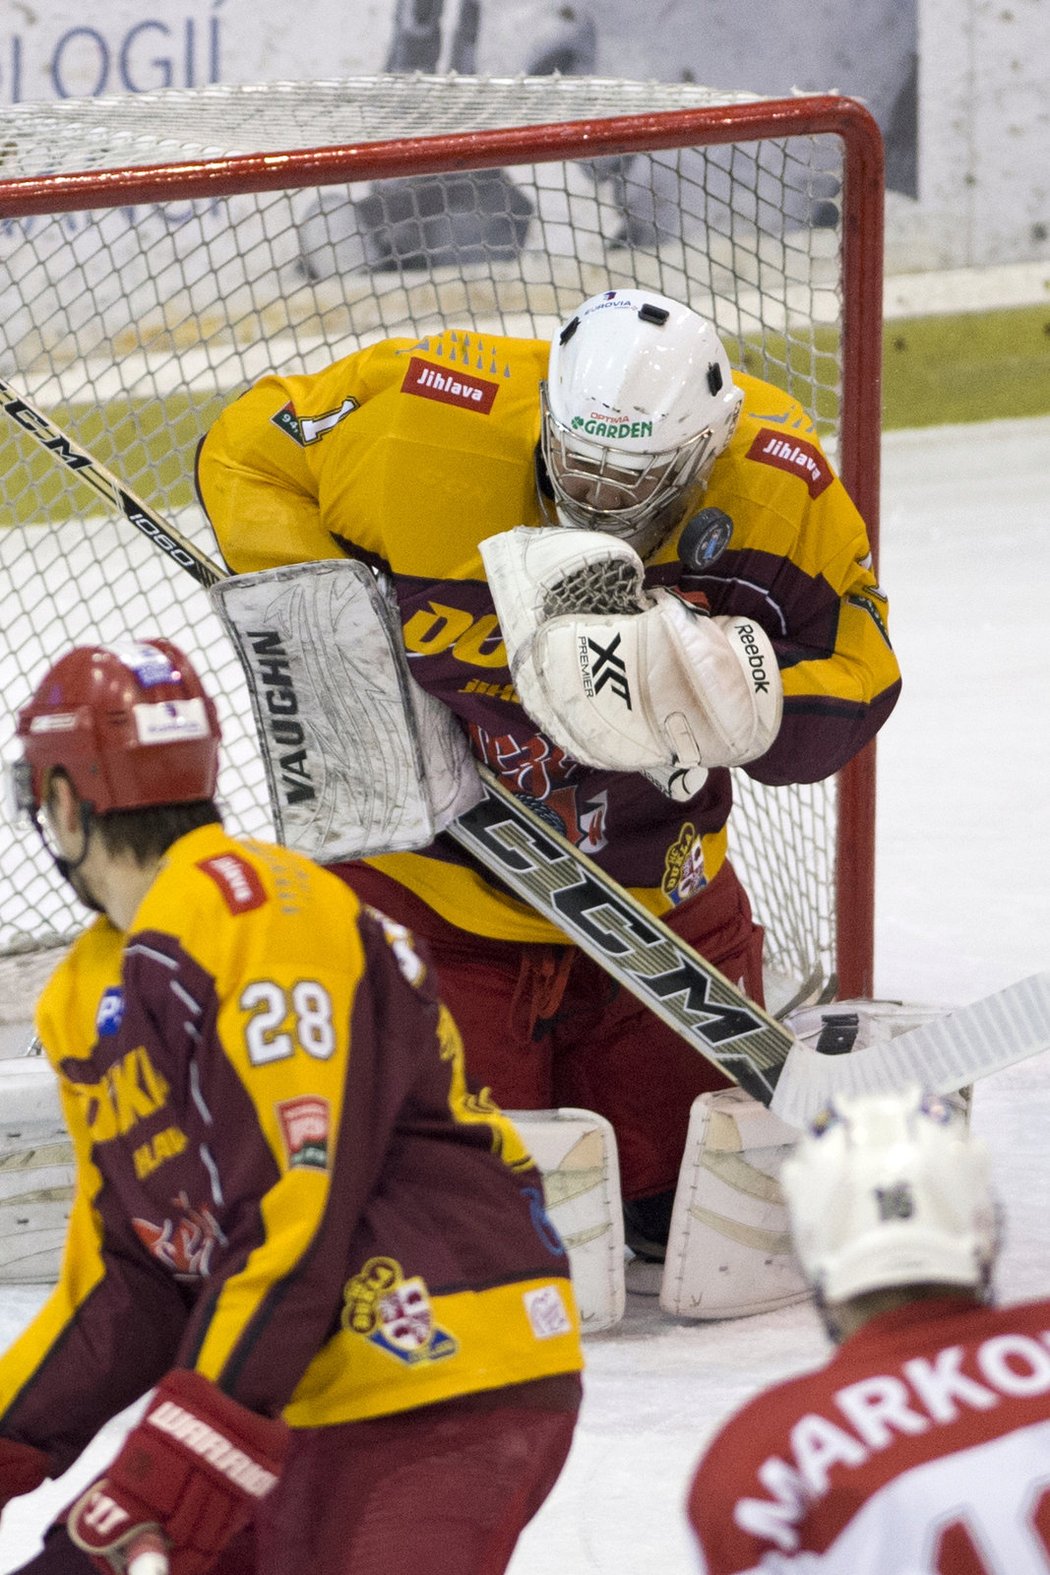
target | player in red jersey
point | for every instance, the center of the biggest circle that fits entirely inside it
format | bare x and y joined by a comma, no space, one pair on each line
295,1219
923,1446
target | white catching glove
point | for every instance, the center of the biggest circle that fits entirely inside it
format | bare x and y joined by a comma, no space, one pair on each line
625,679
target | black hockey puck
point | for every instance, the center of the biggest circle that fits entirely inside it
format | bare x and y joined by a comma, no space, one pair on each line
704,538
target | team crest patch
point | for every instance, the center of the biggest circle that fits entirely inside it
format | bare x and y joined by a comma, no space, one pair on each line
394,1313
449,386
239,883
305,1125
684,872
794,455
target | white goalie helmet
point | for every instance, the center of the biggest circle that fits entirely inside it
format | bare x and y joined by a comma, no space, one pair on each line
891,1190
638,404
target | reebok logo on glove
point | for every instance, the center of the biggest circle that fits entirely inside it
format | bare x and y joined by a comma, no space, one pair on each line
745,633
211,1446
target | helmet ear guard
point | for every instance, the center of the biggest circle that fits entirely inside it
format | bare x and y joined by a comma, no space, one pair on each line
129,724
19,802
891,1190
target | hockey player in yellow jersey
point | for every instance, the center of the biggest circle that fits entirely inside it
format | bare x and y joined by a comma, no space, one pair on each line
756,639
295,1216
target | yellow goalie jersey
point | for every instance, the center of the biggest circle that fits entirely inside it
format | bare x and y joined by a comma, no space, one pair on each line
284,1179
409,453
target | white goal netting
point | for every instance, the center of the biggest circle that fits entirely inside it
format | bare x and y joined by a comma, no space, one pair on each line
159,253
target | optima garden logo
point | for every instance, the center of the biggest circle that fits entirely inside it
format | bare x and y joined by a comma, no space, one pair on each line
601,426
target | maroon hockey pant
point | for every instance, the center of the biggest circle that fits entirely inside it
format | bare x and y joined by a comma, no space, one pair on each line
544,1026
446,1489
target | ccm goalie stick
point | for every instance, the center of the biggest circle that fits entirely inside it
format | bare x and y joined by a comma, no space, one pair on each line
642,953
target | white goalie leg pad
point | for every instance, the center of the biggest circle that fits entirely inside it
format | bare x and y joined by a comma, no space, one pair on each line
36,1195
36,1171
28,1093
575,1153
359,760
729,1252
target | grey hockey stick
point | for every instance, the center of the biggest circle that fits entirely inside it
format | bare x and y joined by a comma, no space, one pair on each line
639,951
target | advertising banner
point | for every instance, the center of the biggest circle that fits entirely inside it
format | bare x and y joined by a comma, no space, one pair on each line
139,46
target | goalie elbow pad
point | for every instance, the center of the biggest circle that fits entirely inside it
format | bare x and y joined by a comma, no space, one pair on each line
669,686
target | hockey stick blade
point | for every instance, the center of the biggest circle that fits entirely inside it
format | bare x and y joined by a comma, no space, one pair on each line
943,1055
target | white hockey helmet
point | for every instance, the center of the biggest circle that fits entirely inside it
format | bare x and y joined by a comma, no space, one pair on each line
891,1190
638,404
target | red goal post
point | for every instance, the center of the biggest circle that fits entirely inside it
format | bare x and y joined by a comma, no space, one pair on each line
163,251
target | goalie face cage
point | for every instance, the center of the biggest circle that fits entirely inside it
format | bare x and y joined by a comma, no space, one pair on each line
151,278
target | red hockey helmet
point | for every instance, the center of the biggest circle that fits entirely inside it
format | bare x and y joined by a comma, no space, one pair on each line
129,723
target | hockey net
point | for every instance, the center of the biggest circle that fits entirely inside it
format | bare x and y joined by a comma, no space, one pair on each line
162,252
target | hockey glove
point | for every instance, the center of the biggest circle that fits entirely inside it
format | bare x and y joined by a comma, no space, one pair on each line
22,1468
622,678
193,1470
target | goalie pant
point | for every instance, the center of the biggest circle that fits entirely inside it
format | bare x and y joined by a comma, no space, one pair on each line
546,1027
923,1444
447,1489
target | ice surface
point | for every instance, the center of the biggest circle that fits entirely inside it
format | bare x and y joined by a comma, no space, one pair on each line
963,908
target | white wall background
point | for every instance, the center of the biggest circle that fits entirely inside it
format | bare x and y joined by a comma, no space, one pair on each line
983,87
